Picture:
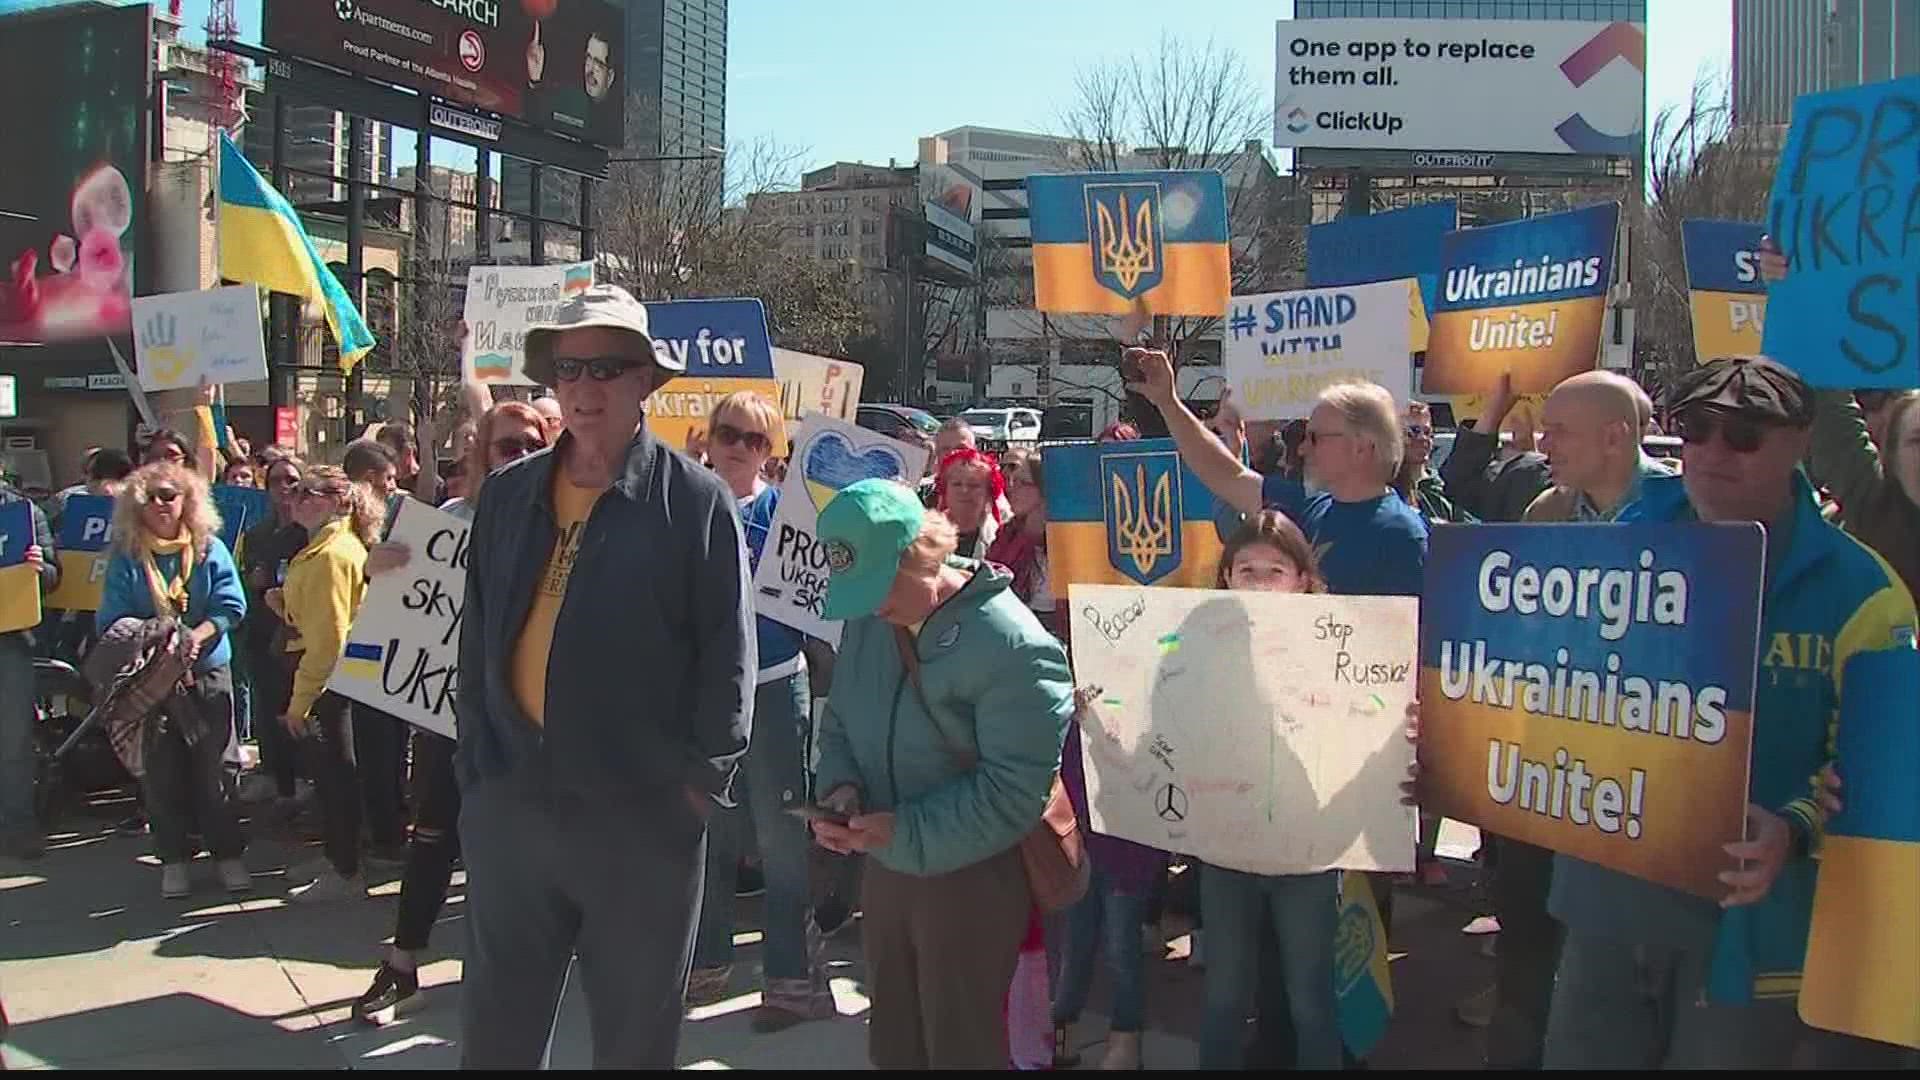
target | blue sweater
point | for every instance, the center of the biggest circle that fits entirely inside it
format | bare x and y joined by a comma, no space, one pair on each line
214,594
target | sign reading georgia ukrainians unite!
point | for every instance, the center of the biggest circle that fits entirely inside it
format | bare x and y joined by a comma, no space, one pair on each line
1589,689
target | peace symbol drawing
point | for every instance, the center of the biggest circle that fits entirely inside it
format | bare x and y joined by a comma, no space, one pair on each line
1170,803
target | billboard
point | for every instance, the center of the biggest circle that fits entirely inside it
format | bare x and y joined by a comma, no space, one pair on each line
952,207
1533,86
558,66
69,206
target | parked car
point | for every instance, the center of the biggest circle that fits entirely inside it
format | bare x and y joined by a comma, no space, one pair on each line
997,429
902,422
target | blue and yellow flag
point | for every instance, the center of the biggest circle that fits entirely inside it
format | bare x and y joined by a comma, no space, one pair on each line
241,508
1863,956
1728,299
1362,976
19,583
86,526
262,241
1128,513
1102,241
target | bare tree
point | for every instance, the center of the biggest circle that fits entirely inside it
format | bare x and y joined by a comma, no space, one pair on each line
1700,165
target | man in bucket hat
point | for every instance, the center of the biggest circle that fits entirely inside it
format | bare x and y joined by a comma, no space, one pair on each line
606,689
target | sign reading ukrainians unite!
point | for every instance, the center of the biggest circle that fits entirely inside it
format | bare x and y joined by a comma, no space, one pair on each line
403,653
1589,689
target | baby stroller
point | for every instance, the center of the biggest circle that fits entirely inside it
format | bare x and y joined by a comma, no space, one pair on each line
74,756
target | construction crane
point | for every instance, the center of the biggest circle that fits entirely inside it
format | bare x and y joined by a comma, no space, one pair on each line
224,67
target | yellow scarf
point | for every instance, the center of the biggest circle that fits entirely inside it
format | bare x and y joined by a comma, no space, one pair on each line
169,597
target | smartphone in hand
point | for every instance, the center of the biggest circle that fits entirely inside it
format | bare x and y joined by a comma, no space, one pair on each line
810,812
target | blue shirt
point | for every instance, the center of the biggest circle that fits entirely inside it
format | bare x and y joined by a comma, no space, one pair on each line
214,594
1374,547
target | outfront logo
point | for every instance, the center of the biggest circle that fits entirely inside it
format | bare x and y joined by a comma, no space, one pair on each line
1128,246
1618,41
1141,496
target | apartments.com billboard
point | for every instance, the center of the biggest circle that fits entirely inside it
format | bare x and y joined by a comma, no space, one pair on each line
1534,86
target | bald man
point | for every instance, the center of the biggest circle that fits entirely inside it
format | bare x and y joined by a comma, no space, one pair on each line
1591,429
550,417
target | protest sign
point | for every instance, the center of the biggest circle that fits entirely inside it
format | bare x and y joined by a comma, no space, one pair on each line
186,339
1103,242
86,532
816,384
1843,211
1385,247
725,347
1724,290
19,583
1589,689
1283,348
502,303
790,584
1263,732
403,653
1125,513
1527,297
1863,955
241,508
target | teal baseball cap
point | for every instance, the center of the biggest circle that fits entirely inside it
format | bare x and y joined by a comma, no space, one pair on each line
865,529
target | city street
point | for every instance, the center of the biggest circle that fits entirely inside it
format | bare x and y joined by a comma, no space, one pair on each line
97,971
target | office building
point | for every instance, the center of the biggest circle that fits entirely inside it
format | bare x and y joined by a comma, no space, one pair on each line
840,216
1785,48
454,222
316,148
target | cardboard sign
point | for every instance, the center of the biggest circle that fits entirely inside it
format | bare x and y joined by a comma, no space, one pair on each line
1724,290
1283,348
187,339
790,585
403,653
1843,213
503,302
19,583
725,347
241,508
1263,732
1590,688
1104,242
86,533
816,384
1125,513
1527,297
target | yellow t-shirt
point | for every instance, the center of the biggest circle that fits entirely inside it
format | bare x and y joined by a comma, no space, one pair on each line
571,505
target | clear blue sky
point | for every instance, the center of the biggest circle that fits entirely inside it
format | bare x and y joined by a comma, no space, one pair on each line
862,80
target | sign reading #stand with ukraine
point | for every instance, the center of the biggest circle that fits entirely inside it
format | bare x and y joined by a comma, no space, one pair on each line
1589,689
19,583
1728,299
86,532
1105,242
1128,513
1527,297
724,346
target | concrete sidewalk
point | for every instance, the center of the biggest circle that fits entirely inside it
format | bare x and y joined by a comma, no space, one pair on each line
96,971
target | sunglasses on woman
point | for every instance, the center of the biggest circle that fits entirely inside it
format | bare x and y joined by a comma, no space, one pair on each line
1419,431
1743,436
508,446
597,368
163,496
728,435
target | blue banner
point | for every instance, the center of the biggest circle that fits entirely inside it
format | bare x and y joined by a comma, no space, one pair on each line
714,339
1722,256
1382,247
1843,211
241,508
86,531
85,523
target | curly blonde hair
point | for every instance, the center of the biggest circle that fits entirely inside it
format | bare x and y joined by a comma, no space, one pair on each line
354,500
198,516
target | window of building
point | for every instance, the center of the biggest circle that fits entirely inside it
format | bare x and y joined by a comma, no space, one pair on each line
869,226
870,251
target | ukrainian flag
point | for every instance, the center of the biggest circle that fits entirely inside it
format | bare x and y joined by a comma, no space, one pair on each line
19,583
1362,977
1128,513
362,660
1102,241
262,241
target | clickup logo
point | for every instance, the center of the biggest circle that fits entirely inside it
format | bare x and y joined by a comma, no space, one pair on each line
1619,41
1297,121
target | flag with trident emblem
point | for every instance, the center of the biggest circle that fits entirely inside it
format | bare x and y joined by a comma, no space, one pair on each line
1104,241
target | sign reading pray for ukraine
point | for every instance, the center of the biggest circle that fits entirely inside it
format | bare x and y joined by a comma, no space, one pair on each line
19,583
86,531
1846,213
790,580
1127,513
1724,289
1527,298
1105,243
1283,348
723,346
403,652
1589,689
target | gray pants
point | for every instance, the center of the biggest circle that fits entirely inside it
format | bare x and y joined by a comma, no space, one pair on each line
17,766
550,877
1644,1007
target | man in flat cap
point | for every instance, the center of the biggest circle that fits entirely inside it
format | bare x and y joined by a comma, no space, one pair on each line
606,688
1652,977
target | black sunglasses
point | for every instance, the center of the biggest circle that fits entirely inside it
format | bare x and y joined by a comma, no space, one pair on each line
598,368
1743,436
163,496
727,435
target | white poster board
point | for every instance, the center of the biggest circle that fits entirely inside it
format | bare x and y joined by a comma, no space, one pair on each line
1283,348
790,584
1263,732
187,339
502,302
816,384
403,653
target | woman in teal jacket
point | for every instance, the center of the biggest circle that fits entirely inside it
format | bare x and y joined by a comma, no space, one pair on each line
168,561
937,753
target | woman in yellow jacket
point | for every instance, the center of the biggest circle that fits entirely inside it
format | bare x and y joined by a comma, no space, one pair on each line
325,584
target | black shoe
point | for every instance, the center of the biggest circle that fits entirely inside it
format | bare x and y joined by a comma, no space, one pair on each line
750,882
831,916
132,826
391,986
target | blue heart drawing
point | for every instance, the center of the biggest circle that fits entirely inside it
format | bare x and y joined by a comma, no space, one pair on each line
830,464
